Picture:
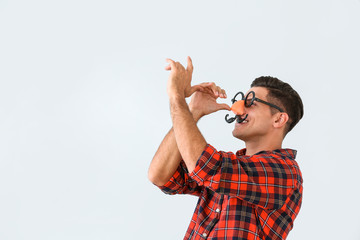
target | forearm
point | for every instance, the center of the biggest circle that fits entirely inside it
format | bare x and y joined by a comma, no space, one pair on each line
185,140
188,137
166,159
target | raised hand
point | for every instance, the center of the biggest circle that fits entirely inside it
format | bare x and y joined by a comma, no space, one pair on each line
179,82
203,101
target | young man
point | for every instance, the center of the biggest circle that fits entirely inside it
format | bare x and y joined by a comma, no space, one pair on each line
253,194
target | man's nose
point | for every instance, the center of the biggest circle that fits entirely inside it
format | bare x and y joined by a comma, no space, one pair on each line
238,107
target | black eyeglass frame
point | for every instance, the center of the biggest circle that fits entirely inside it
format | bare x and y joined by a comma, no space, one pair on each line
254,99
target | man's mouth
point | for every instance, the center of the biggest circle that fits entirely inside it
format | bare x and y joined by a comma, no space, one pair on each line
243,122
240,119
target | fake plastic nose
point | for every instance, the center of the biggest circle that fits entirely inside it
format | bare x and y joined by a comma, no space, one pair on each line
238,107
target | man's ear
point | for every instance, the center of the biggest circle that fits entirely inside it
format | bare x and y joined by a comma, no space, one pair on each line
280,120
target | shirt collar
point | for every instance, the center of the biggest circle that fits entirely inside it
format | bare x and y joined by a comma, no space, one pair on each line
286,152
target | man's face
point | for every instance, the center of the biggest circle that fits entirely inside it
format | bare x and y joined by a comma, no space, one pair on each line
259,120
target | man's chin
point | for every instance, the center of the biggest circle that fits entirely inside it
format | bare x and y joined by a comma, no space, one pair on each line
238,135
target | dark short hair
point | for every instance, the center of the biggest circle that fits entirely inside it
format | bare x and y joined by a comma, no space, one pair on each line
282,94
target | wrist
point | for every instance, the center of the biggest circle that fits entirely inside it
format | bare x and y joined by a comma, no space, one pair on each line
175,95
177,104
177,98
196,114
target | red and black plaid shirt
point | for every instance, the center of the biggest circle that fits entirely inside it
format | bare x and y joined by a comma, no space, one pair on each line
240,196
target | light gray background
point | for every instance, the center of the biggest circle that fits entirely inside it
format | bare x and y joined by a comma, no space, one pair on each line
83,108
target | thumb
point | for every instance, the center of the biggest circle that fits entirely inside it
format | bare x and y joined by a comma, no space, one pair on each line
223,106
190,66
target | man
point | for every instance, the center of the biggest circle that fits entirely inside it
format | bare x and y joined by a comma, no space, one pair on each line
253,194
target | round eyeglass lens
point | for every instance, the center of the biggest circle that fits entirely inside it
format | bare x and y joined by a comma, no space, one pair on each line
234,99
249,99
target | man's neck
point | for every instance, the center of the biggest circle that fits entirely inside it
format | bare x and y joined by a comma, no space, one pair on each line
253,147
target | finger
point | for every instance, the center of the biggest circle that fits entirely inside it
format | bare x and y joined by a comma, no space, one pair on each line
223,94
209,91
171,63
212,89
169,60
205,84
190,66
178,65
196,88
199,87
219,91
168,67
215,89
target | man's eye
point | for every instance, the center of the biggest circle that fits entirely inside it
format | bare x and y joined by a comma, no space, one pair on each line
249,104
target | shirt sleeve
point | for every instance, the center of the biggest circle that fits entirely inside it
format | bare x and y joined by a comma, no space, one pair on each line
181,183
263,180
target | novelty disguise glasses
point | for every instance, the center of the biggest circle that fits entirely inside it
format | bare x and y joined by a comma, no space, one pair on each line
238,106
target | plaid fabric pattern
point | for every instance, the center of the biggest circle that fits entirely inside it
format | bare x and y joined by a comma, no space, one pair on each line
241,197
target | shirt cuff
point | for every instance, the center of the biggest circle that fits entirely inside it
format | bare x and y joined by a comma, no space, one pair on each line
206,165
177,181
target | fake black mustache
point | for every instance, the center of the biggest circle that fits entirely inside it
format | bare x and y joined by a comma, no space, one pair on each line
237,118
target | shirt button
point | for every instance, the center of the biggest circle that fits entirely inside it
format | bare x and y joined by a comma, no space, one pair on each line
204,234
217,210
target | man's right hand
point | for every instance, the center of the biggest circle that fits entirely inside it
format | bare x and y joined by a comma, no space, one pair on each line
203,102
